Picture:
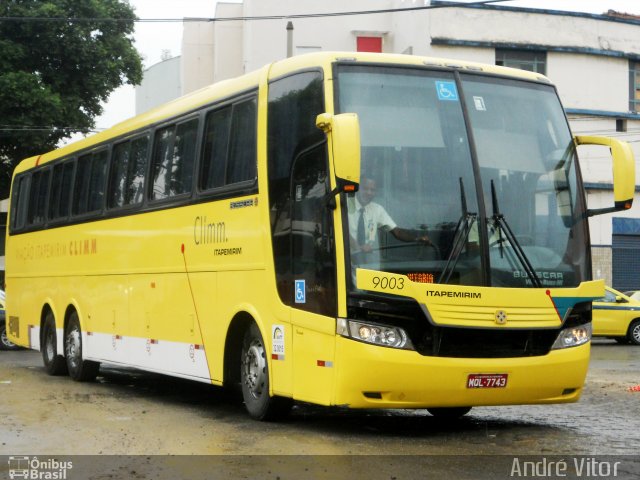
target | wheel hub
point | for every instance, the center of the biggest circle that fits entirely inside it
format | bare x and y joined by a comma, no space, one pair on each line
73,347
635,333
254,369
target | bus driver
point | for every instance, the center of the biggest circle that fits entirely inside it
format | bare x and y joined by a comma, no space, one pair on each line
366,217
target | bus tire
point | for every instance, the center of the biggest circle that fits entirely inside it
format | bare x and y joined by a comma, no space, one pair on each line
633,334
254,379
5,343
54,364
80,370
449,412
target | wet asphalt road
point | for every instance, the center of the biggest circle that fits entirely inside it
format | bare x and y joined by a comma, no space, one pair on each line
135,413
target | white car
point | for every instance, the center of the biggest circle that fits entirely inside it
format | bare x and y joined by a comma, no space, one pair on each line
635,294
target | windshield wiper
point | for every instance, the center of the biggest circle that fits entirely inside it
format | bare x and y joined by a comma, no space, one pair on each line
500,222
460,235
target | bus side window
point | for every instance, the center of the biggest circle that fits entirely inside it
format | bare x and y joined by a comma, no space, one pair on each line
60,190
118,175
229,155
81,185
95,195
173,160
126,178
19,203
88,190
38,197
241,165
216,144
136,171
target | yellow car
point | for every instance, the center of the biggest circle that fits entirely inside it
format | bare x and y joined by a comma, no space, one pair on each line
617,316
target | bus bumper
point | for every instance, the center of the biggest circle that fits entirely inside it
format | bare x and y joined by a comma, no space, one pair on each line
369,376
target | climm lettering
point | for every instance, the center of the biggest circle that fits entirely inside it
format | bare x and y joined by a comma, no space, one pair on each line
207,233
83,247
435,293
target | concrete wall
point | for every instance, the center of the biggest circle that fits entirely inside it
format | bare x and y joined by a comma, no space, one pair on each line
228,43
160,83
198,56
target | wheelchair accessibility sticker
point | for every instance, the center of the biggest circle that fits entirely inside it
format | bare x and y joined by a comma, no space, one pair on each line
447,91
301,293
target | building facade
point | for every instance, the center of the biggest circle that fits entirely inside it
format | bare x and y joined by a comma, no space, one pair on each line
594,60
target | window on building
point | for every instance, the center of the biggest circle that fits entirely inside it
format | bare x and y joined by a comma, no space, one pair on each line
634,86
369,44
531,61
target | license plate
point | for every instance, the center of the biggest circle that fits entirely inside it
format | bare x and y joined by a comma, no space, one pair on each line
487,380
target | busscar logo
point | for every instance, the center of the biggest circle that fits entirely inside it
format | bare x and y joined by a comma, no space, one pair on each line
36,469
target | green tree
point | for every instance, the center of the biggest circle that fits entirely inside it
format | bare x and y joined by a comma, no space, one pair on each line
59,59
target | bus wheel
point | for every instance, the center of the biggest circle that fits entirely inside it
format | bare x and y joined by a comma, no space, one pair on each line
5,343
634,333
54,364
449,412
80,370
254,378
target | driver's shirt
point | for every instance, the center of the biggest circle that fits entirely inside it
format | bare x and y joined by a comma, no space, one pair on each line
375,217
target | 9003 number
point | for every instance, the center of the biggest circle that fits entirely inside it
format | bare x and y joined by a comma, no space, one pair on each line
385,283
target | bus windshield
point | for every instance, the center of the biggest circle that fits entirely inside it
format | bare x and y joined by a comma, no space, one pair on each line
466,179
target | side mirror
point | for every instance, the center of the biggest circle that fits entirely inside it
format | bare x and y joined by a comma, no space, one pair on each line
624,172
343,131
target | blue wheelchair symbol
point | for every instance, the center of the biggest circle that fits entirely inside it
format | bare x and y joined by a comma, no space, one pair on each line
447,91
301,291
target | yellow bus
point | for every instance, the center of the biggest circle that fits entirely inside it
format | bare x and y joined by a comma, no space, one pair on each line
360,230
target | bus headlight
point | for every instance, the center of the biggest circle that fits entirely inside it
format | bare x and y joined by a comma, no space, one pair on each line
573,336
383,335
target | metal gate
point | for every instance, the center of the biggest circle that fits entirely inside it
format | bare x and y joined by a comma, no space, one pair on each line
626,254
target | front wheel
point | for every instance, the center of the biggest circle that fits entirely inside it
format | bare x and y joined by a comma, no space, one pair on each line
633,334
80,370
254,378
449,412
54,364
5,343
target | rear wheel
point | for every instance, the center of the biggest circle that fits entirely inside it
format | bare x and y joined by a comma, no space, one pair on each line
80,370
633,335
54,364
449,412
5,343
254,378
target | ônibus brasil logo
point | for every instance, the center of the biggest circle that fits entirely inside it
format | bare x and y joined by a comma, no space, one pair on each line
36,469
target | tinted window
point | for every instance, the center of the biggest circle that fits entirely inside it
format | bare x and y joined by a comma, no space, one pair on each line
294,104
38,197
126,179
59,200
214,163
173,160
136,171
95,195
241,165
81,186
19,202
118,175
230,145
88,191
